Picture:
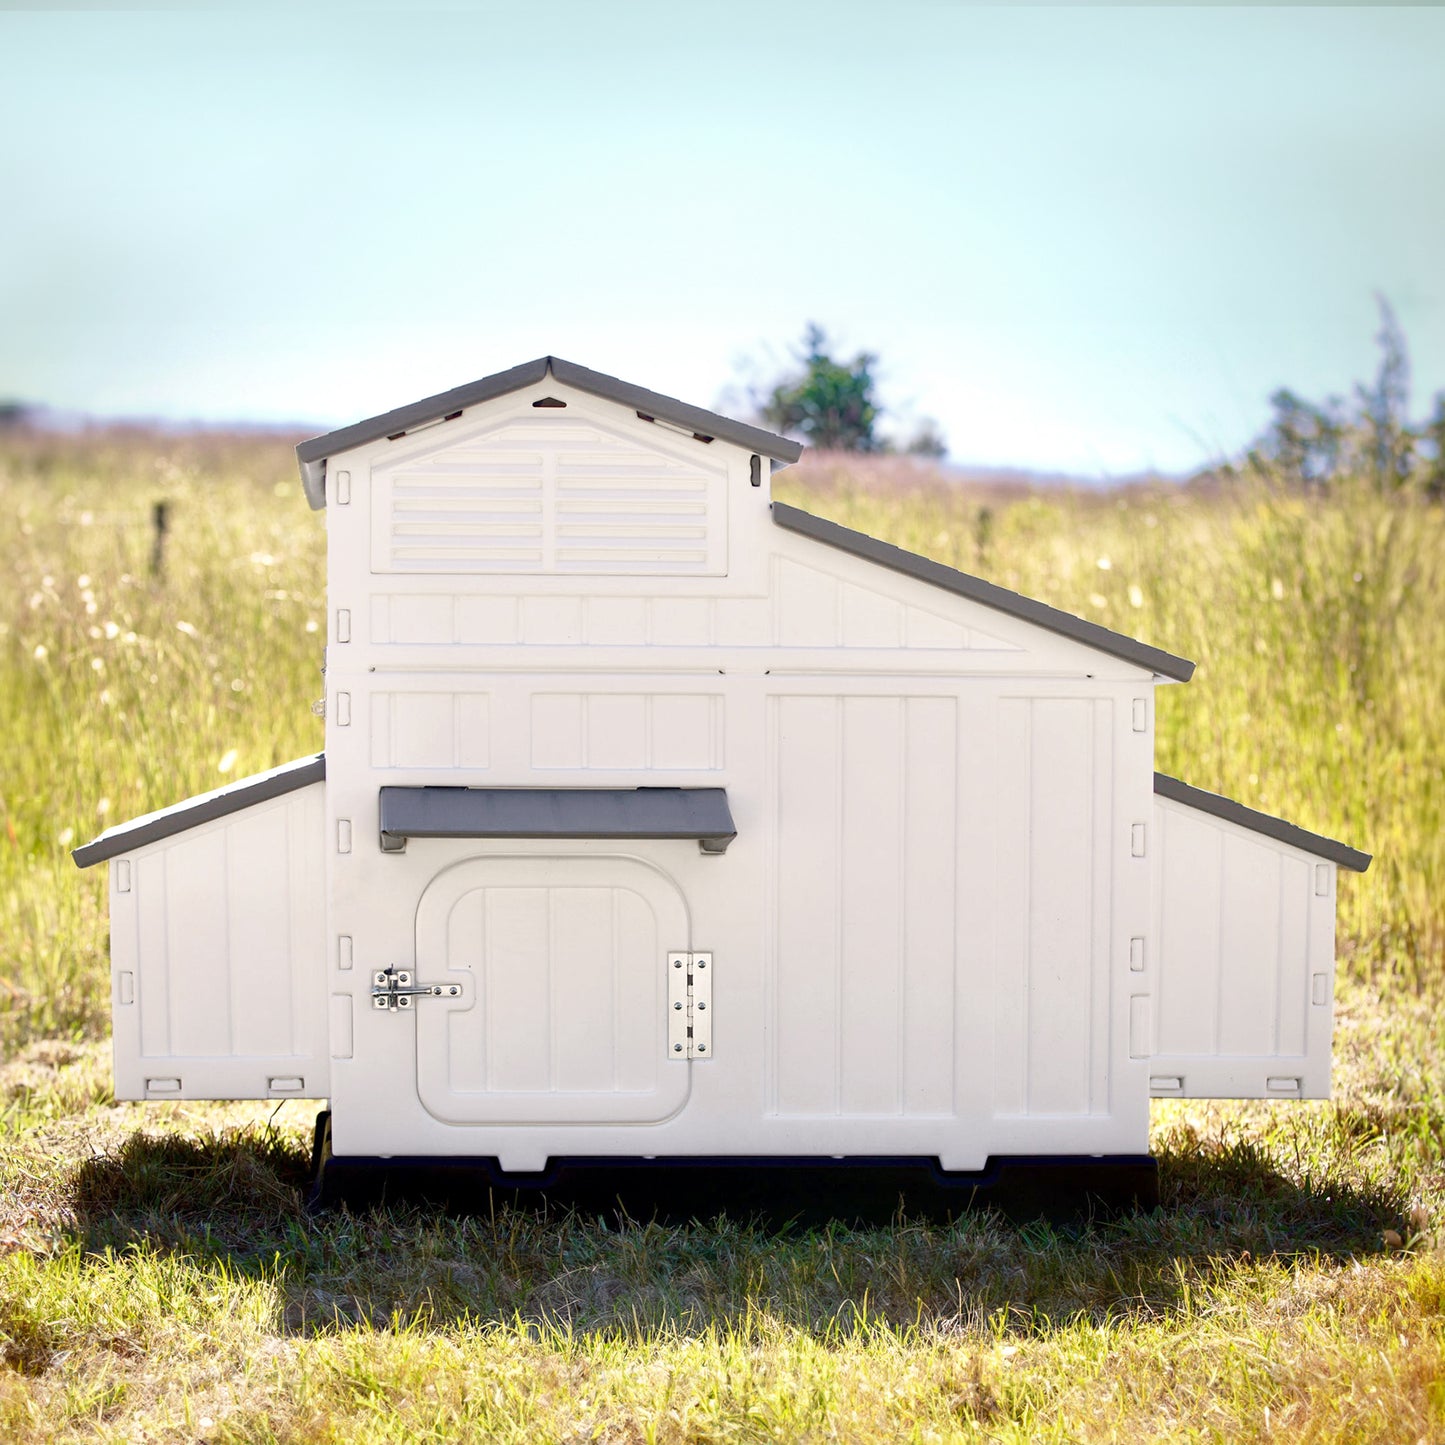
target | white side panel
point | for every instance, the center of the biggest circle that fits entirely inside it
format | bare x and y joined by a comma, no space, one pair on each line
1245,935
1052,886
862,998
217,941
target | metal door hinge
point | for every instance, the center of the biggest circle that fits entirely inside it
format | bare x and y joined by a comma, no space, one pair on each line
392,989
689,1005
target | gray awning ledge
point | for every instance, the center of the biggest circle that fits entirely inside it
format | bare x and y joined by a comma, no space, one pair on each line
700,813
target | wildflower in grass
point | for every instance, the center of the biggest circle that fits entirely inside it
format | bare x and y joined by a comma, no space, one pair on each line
1097,599
1103,564
41,652
1136,595
83,581
112,631
97,664
228,761
103,807
187,628
66,837
1276,589
311,624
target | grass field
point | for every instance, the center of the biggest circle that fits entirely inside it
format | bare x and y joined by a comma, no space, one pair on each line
158,1279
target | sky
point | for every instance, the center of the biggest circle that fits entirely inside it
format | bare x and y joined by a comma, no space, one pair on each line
1081,239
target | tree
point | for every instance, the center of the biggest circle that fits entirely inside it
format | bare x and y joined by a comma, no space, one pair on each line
1370,435
831,404
927,440
1305,441
1433,452
1389,443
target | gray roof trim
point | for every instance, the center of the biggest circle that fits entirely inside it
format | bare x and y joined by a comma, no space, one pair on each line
421,812
667,408
885,554
206,808
311,455
1281,831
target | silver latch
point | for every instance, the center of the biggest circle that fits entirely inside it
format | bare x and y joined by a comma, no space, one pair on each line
689,1005
392,988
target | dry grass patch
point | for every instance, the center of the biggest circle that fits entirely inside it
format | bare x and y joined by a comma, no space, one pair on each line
160,1281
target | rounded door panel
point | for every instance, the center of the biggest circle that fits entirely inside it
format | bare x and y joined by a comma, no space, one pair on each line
561,1016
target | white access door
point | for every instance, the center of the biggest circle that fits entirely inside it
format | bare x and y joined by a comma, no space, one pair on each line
1244,930
561,1017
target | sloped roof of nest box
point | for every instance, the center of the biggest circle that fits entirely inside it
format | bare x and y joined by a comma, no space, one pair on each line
312,455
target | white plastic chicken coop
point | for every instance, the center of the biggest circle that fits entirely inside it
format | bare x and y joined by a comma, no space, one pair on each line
661,821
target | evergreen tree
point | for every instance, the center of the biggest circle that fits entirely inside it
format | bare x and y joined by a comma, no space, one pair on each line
831,404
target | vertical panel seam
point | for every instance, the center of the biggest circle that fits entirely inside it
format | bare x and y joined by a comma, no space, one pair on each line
614,930
230,991
840,814
485,990
1220,910
773,938
955,751
1279,956
166,934
1028,903
901,971
550,981
1091,901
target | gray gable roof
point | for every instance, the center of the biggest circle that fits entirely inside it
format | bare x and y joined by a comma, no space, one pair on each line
885,554
1218,806
311,455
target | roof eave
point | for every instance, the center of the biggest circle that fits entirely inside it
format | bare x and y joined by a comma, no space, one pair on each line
1280,829
204,808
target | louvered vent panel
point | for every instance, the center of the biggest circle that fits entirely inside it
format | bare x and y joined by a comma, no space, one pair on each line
468,511
557,495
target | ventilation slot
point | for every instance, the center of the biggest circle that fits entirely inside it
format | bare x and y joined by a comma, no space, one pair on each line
396,436
684,431
550,401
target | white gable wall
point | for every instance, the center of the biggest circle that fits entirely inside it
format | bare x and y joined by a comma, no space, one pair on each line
922,931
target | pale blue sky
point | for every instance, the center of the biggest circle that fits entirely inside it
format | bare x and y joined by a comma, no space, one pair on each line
1083,238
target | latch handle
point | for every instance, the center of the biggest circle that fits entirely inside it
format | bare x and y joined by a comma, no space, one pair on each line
393,989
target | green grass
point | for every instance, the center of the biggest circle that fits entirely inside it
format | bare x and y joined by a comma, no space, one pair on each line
159,1280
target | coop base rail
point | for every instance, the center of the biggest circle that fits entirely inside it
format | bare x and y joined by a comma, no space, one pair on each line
776,1189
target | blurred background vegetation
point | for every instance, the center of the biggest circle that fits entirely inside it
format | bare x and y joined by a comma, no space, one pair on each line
162,629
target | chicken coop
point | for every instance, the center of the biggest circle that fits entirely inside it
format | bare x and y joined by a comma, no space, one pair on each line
661,825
